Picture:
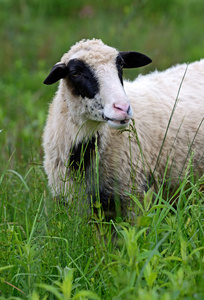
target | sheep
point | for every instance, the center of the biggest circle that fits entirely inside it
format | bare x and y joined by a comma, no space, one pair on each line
93,110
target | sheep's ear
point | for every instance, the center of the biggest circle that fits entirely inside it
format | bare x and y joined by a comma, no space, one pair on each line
58,71
134,59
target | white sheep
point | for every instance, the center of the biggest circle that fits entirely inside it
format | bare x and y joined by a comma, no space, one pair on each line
93,105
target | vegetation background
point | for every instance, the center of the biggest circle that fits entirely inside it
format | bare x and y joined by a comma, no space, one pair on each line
46,250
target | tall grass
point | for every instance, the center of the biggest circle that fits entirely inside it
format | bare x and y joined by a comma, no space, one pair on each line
50,249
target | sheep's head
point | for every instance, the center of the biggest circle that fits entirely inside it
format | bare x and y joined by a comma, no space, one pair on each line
92,72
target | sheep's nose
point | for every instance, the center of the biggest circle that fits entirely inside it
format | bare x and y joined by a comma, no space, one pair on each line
123,107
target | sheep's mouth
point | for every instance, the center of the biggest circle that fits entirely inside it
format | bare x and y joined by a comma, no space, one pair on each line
118,124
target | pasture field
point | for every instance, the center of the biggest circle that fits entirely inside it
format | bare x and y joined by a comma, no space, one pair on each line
49,251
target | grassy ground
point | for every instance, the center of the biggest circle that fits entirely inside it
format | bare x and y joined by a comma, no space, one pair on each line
48,250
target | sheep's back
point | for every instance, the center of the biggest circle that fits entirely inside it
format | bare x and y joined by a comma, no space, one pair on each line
153,98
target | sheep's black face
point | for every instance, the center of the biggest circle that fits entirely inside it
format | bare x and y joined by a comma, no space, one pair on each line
95,84
81,79
101,88
119,65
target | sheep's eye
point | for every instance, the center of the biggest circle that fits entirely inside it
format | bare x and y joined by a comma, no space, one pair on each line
75,73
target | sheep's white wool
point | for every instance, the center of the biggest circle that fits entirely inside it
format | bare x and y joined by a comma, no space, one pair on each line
122,167
94,52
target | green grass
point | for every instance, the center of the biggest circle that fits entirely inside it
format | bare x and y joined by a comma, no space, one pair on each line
50,250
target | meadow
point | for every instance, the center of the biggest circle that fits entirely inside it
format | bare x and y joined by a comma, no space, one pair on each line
49,251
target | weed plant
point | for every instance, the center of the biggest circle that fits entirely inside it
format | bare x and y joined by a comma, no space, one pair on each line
49,250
